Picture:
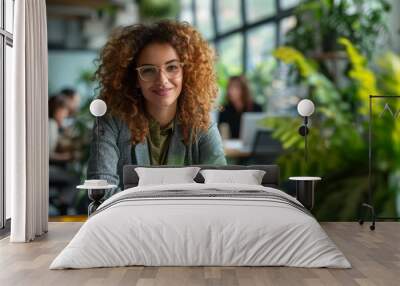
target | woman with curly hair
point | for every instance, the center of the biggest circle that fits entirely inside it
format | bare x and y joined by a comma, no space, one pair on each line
159,84
239,100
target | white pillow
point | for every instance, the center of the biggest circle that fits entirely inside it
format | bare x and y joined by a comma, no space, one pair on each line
163,176
249,177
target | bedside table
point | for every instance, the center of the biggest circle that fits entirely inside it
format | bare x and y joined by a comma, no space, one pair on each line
305,188
96,195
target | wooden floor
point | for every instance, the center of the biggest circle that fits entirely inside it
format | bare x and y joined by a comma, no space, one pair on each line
375,256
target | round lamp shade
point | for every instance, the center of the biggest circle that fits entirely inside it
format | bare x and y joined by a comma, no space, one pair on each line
305,107
98,107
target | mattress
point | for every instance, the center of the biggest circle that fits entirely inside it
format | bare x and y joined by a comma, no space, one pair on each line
201,225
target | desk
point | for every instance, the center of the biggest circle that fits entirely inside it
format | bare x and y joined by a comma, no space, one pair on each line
234,148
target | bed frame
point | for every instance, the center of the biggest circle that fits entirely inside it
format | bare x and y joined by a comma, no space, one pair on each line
270,179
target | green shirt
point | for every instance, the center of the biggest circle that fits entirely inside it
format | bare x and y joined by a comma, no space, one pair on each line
111,150
158,141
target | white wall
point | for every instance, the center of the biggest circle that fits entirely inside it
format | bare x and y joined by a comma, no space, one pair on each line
65,68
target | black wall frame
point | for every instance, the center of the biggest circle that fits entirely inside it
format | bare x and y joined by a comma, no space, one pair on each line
369,205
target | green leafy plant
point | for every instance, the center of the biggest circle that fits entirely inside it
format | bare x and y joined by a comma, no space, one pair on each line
321,23
158,9
83,124
261,77
338,141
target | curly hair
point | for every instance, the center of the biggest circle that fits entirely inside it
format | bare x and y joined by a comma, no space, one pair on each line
116,75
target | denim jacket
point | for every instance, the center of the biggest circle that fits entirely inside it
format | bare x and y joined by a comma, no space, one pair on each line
111,149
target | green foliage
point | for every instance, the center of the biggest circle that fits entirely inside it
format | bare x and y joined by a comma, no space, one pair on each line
82,129
158,9
323,90
321,23
222,81
361,75
338,146
389,71
260,78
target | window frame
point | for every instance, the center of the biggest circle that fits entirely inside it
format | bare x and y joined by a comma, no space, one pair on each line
247,26
6,39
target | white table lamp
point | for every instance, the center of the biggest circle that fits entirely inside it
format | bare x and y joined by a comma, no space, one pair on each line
98,108
305,108
96,188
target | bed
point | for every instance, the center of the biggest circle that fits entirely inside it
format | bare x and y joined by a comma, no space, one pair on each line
201,224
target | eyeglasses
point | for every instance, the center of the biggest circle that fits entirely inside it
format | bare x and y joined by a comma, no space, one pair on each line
150,72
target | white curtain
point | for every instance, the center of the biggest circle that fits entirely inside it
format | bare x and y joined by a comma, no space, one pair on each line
26,124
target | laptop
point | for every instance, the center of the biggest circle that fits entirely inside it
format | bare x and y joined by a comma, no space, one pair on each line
249,124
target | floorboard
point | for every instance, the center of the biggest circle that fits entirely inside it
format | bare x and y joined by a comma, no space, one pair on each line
374,255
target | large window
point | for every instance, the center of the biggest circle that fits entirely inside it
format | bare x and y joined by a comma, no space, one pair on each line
186,13
229,15
6,44
204,19
259,9
261,42
244,32
285,26
230,58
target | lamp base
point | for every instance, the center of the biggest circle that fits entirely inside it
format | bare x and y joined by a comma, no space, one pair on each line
303,130
96,196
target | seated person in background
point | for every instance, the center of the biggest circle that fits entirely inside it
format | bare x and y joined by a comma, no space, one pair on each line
159,84
73,100
71,139
239,100
58,111
61,182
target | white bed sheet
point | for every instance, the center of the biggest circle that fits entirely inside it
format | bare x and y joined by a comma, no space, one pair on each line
200,231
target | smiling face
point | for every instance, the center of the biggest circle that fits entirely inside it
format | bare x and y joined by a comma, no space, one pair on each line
163,91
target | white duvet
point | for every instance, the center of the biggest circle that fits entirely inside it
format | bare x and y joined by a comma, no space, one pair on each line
183,231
